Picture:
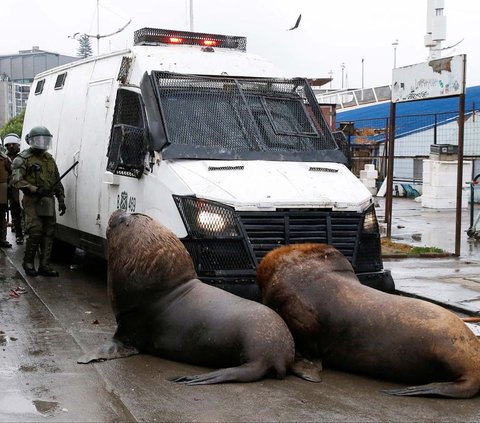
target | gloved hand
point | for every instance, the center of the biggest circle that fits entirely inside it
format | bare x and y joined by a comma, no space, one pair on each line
43,192
62,208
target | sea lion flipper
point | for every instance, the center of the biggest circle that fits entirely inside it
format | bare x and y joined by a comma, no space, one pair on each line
248,372
108,351
307,369
462,389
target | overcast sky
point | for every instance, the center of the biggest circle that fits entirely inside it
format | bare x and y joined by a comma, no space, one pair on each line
331,32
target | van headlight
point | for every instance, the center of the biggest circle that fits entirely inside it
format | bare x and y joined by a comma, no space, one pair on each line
207,219
211,222
370,222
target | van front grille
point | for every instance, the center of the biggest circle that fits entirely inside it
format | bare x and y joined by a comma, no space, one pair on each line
268,230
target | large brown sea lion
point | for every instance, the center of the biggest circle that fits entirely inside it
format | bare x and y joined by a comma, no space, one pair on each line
350,326
163,309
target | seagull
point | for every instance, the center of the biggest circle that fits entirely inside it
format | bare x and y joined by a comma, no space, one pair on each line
296,23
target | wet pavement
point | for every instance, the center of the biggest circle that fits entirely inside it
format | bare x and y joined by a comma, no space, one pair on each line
47,323
38,367
450,281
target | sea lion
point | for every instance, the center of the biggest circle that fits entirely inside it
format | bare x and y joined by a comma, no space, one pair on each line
353,327
163,309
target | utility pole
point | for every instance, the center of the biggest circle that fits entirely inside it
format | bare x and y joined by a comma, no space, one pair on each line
363,73
395,44
98,35
343,72
98,27
191,15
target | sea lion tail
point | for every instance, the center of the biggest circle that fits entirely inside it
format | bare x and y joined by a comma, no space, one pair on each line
463,388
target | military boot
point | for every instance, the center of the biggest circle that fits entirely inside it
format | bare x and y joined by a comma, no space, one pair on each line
31,248
45,252
3,235
18,230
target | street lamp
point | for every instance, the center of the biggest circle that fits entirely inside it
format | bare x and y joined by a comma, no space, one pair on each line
395,44
363,72
331,77
343,70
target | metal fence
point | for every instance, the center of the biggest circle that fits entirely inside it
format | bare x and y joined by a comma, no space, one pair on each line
414,136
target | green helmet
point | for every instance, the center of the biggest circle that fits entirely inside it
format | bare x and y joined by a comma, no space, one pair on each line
39,137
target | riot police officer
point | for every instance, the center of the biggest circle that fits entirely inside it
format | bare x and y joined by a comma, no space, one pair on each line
3,200
12,144
35,173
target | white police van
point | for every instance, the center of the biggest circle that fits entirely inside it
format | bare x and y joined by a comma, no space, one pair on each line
212,142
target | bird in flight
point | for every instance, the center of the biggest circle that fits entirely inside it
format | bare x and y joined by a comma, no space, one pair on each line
296,23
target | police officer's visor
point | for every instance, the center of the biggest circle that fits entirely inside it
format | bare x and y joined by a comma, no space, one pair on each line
41,142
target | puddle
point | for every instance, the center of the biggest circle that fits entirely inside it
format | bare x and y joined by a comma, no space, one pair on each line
46,407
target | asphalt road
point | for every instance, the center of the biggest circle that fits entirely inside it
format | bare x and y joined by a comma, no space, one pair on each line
47,323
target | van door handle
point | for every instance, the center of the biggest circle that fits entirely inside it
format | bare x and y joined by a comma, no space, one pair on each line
76,157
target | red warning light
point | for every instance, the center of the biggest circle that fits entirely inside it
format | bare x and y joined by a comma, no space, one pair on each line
175,40
209,43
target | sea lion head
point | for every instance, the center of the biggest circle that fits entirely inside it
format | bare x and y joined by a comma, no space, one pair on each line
145,260
295,280
302,261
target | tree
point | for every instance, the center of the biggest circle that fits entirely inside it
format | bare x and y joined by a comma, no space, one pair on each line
84,48
13,126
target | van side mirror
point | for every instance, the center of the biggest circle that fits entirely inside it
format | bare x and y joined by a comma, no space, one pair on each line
127,150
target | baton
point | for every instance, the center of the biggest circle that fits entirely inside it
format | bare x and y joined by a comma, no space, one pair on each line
64,174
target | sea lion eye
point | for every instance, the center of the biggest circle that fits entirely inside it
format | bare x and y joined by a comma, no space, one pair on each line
117,218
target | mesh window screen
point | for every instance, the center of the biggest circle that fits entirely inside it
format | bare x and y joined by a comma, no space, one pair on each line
128,109
241,114
126,151
127,147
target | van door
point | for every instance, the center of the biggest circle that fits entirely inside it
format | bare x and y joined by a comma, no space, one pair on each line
90,189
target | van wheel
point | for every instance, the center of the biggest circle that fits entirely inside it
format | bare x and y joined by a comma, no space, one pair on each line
62,251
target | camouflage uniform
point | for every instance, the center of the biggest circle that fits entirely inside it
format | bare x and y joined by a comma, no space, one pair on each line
3,200
35,172
14,202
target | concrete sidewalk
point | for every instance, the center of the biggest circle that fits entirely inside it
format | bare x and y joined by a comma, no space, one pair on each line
451,281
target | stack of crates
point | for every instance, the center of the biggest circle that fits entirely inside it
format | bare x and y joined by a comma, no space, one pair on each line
439,190
369,176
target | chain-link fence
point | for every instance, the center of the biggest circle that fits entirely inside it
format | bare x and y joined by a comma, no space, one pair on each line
414,136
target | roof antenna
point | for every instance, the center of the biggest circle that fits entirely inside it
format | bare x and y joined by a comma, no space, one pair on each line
436,28
98,35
